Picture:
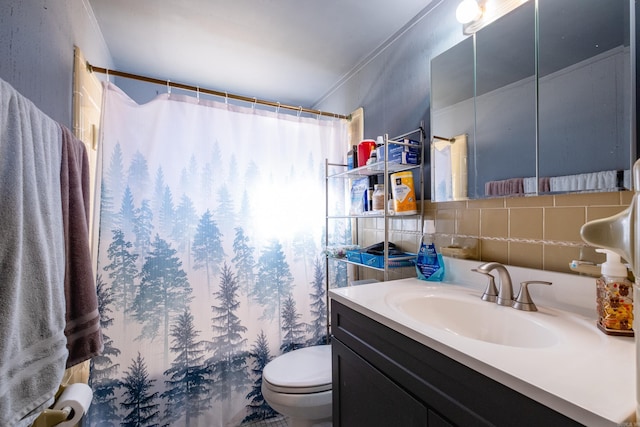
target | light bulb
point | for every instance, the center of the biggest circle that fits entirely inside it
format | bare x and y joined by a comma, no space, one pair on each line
467,11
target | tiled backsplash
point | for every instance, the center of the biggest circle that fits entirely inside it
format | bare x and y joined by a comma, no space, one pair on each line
535,232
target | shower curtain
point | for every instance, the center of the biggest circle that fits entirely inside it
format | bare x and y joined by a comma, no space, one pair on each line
209,256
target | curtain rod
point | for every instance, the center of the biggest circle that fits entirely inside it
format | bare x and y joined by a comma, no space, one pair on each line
299,109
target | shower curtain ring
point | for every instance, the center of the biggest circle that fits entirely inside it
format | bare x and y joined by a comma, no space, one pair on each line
168,87
278,108
255,101
226,97
198,93
299,110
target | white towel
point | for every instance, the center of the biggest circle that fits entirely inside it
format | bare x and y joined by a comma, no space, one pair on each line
604,180
449,163
530,185
32,263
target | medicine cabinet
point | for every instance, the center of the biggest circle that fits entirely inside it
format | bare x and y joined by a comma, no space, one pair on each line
544,97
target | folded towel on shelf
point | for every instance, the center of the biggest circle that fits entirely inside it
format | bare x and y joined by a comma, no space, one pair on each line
604,180
84,338
626,179
530,185
504,187
33,349
544,186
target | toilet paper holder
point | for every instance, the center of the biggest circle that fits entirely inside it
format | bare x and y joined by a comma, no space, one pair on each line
52,417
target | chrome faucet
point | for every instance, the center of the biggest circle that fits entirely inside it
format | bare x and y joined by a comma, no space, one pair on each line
505,295
523,301
490,294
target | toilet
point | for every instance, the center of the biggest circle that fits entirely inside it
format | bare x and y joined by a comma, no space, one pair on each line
298,384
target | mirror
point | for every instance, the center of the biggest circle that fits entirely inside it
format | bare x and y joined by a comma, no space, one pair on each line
452,113
584,95
505,144
566,127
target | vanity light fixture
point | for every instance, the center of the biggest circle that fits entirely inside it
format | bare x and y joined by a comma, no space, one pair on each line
468,11
476,14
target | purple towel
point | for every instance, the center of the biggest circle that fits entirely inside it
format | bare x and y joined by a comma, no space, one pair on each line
84,337
543,185
504,187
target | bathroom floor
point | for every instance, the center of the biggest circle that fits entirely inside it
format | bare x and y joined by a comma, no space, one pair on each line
322,424
270,422
281,422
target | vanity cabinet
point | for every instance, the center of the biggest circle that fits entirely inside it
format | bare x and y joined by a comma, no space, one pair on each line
383,378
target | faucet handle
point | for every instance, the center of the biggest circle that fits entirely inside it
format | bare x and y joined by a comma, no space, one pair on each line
523,301
491,292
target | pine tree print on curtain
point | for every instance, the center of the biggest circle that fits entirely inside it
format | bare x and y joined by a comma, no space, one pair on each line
258,408
103,380
210,259
140,404
188,384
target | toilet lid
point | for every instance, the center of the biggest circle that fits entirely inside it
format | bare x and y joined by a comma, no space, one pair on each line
306,370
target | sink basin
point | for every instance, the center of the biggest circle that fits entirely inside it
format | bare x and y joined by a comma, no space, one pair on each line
470,317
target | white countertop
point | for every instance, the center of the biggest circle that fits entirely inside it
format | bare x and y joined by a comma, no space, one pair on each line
589,377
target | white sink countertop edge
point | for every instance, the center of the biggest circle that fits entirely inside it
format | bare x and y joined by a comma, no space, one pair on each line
594,385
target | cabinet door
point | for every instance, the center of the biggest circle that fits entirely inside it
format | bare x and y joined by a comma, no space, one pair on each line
364,397
383,378
436,420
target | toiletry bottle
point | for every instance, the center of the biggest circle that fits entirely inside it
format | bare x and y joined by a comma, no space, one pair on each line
380,148
429,263
364,151
352,157
379,197
373,157
614,297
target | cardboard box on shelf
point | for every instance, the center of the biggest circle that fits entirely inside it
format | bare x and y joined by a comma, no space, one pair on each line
401,153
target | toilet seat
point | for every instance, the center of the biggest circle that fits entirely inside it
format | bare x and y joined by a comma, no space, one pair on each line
303,371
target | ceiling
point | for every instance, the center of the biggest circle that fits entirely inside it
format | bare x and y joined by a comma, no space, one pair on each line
289,51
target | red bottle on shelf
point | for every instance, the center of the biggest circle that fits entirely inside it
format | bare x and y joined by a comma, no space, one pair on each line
364,151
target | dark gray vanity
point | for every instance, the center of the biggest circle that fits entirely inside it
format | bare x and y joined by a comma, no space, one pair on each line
415,353
383,378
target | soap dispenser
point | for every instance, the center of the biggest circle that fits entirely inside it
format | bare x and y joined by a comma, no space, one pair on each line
621,234
614,297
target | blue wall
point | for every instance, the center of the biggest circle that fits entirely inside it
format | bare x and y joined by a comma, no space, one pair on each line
37,38
393,86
